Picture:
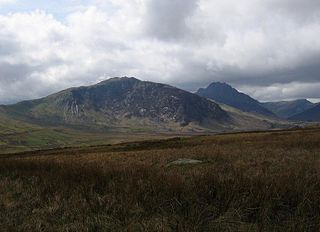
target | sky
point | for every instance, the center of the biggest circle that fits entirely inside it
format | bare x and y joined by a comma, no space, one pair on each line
269,49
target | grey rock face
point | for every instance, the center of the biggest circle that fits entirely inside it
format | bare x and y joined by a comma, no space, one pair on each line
184,161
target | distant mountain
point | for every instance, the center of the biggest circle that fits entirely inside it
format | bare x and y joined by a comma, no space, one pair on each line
224,93
125,102
310,115
286,109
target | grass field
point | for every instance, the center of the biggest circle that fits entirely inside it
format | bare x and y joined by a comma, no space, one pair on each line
262,181
20,136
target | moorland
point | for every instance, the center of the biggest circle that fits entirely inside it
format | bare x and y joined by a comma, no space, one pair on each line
256,181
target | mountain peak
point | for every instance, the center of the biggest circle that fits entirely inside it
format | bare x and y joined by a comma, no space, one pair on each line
118,79
303,101
220,84
226,94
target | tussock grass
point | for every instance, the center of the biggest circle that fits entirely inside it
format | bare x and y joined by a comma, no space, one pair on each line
250,182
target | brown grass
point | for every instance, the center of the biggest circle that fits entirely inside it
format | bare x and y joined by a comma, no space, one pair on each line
249,182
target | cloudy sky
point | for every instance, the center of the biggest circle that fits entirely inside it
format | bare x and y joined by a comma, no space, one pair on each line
269,49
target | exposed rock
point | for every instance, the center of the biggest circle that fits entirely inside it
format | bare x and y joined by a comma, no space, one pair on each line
184,161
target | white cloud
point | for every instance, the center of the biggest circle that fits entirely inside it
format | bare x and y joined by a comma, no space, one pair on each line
290,91
267,49
7,1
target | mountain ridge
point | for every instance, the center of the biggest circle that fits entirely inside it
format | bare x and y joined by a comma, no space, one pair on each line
119,101
287,109
226,94
118,109
310,115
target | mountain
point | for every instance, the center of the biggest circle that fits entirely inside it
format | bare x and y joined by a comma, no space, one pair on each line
286,109
224,93
121,102
116,110
310,115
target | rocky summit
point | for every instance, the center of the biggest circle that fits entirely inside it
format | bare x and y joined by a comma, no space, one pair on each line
226,94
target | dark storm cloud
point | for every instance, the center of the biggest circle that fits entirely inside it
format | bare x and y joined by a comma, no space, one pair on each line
299,9
7,47
306,71
167,19
12,73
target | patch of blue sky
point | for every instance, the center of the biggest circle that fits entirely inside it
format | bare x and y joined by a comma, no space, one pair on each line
59,8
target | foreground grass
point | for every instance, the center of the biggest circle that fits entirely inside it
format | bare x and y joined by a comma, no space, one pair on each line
249,182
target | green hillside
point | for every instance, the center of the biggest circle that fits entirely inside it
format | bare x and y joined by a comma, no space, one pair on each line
16,136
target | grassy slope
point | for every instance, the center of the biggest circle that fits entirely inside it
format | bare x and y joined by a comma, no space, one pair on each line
266,181
249,121
18,136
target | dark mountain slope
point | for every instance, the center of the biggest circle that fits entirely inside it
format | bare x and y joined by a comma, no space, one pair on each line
224,93
286,109
120,101
311,115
